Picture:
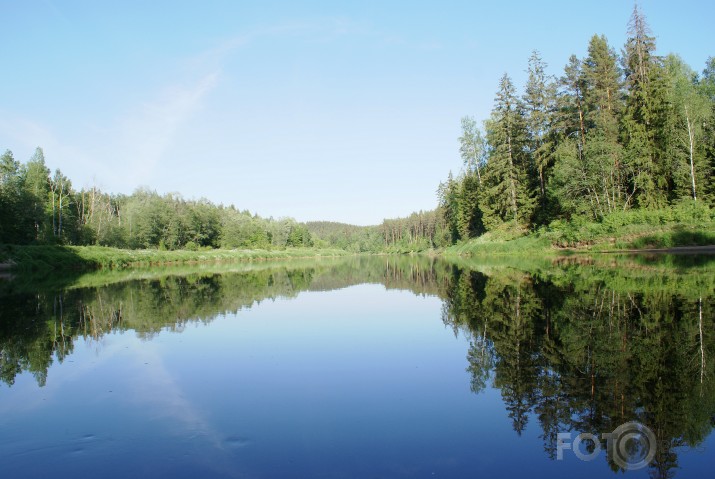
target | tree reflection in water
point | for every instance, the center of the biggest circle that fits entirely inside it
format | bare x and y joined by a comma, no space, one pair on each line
574,345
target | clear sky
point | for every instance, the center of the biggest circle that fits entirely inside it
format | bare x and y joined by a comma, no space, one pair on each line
343,111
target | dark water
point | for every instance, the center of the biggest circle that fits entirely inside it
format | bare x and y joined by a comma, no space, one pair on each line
365,367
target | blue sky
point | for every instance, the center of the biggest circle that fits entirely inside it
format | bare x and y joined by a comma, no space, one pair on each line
344,111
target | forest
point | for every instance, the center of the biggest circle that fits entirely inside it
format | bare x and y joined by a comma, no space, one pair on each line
614,133
618,138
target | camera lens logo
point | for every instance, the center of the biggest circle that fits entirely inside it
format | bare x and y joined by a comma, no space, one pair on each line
631,445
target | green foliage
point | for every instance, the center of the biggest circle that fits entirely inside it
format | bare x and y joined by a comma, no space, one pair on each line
686,224
629,229
242,230
36,208
449,206
611,140
472,147
356,239
36,191
507,194
14,224
299,236
540,103
418,232
469,222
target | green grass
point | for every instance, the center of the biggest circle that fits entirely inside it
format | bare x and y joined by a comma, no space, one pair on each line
80,258
684,225
489,244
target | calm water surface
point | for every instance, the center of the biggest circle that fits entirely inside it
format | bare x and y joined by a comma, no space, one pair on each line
365,367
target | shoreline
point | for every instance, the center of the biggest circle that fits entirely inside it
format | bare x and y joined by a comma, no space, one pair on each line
682,250
46,258
98,258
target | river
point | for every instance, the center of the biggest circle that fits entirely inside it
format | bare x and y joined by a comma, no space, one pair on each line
363,367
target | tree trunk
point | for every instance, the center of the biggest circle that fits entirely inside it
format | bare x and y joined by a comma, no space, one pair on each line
511,181
53,187
691,142
59,214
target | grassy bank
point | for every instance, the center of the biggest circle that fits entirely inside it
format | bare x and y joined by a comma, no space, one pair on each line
685,225
78,258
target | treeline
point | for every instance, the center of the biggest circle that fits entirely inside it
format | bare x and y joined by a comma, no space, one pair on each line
37,207
615,132
417,232
353,238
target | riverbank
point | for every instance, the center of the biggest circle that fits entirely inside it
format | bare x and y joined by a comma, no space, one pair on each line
647,232
685,229
85,258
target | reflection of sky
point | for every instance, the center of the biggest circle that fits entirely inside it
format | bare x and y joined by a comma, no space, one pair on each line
358,382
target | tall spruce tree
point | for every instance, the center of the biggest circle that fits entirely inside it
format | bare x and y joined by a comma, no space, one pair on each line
37,189
571,119
469,214
707,88
589,171
641,123
603,152
448,195
506,196
540,104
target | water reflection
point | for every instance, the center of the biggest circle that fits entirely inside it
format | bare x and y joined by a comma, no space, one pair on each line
39,324
580,345
588,349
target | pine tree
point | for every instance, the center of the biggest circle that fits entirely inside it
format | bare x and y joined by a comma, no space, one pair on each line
37,188
469,215
639,62
571,119
707,89
642,122
602,80
448,194
589,174
603,152
540,104
506,195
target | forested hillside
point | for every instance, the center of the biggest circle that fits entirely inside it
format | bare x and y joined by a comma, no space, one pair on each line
616,132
